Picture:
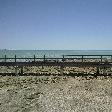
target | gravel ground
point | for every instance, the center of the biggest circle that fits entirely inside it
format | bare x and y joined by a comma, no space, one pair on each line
55,94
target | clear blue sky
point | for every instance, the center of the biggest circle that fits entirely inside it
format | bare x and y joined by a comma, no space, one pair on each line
56,24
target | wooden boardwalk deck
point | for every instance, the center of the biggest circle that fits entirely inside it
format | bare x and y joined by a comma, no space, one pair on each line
64,64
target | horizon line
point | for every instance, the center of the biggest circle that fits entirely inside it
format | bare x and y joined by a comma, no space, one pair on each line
64,49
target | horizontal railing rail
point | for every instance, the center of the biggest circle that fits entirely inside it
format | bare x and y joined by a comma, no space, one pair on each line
87,55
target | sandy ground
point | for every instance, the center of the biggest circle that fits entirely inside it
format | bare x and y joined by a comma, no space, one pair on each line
55,94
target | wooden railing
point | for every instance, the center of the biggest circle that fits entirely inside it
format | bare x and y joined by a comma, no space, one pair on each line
98,61
81,58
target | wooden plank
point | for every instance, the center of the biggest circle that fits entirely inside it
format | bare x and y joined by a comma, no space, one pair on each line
54,64
87,55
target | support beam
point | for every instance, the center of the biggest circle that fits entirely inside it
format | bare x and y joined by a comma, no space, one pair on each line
21,69
63,58
111,58
97,72
104,71
82,59
101,58
44,58
5,58
16,70
15,58
34,58
61,70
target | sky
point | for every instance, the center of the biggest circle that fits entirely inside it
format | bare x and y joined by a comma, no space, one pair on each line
56,24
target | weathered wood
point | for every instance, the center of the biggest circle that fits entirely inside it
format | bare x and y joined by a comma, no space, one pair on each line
82,58
63,59
16,70
44,58
88,55
97,72
15,58
34,58
39,63
101,58
62,62
5,58
21,69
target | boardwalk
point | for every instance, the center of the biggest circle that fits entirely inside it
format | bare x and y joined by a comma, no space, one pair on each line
98,61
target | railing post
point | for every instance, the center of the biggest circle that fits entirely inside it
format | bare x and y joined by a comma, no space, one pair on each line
101,58
82,58
61,67
34,58
15,58
63,58
43,62
5,58
15,67
21,70
97,72
111,58
44,58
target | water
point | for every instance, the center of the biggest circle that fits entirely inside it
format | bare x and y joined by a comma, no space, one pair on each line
52,53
